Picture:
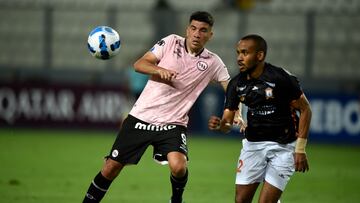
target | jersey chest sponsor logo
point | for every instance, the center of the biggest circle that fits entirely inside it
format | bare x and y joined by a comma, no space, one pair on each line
151,127
263,110
202,65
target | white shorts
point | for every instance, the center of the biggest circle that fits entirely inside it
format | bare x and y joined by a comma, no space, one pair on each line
269,161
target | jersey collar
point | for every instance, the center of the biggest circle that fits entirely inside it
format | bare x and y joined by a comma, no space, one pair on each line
186,49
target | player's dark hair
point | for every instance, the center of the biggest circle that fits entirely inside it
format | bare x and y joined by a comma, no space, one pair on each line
260,42
202,16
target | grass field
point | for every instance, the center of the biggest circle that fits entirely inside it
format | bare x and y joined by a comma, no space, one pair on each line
43,166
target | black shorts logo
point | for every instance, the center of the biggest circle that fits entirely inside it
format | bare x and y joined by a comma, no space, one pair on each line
151,127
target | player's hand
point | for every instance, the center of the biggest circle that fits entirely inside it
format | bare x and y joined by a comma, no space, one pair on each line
240,122
214,123
301,163
166,74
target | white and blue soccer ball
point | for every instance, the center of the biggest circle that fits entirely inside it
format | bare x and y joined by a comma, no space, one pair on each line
104,42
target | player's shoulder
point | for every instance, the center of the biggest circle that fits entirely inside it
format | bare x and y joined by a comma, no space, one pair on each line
173,38
277,71
168,41
207,54
212,54
234,81
280,75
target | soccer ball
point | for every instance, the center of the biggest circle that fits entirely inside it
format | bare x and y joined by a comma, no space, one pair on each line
104,42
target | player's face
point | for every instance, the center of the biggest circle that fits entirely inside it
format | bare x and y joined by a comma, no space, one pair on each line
248,57
197,34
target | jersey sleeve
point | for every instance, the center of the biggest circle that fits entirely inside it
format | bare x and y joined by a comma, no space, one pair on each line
222,73
231,98
292,86
159,49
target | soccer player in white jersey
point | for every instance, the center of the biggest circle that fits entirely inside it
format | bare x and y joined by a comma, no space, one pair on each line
180,69
275,136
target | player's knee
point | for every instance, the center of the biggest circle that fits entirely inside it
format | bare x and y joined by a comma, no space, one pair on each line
178,169
111,169
240,199
177,164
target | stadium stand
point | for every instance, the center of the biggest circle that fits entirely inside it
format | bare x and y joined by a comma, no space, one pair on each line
289,48
310,38
336,46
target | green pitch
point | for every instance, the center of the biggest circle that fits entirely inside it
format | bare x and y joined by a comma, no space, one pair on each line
43,166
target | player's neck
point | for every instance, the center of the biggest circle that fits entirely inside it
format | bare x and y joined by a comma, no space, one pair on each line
193,52
258,70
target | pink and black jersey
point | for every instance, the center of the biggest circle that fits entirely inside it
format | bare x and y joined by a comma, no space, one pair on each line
162,102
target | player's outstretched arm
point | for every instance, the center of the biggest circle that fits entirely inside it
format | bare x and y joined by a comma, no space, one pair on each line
147,64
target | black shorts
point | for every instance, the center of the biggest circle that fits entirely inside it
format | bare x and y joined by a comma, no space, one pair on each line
135,136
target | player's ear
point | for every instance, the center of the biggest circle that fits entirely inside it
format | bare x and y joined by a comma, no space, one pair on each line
261,55
210,35
187,31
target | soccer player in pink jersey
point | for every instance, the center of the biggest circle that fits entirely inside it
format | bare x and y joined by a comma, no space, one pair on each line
179,69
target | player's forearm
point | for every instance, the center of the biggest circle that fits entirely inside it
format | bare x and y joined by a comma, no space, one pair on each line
224,84
302,104
145,67
238,114
304,123
304,126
